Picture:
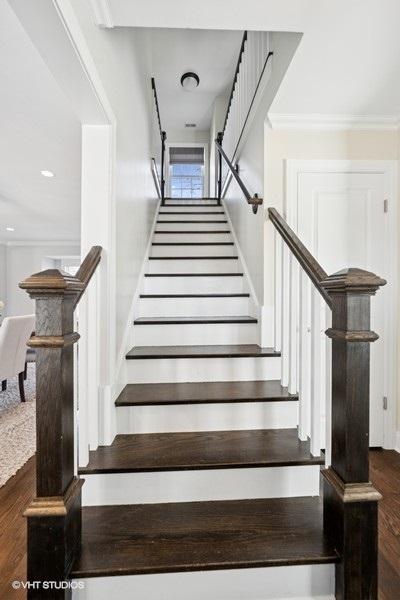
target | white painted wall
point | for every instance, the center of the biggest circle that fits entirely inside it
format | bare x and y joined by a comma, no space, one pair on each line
121,59
249,228
23,260
3,273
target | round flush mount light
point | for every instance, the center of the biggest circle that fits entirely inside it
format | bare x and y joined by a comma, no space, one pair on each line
47,173
190,81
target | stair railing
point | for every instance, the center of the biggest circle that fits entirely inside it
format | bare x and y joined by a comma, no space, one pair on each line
54,515
254,201
254,56
163,138
349,499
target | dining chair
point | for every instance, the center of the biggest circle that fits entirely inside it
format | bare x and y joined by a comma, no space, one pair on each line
14,335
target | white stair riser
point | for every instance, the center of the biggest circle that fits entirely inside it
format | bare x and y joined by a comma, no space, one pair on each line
193,285
221,226
170,370
194,216
207,417
196,334
300,582
193,307
208,250
200,485
194,266
193,237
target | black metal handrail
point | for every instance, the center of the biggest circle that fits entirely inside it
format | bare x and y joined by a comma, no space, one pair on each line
254,201
163,137
244,39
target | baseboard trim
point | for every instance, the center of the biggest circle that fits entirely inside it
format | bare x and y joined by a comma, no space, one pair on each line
397,442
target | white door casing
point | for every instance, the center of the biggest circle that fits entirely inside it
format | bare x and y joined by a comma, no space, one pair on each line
338,210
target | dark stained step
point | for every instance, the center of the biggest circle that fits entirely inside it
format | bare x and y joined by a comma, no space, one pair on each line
192,221
197,536
193,320
182,204
221,351
201,450
192,244
193,274
194,296
193,258
215,392
195,231
191,212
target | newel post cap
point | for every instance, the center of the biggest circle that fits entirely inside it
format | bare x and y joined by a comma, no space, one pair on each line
352,280
52,281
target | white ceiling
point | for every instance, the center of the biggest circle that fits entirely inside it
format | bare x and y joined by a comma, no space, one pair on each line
38,131
347,62
211,54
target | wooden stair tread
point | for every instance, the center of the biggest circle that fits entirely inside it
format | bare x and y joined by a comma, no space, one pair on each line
238,295
197,231
215,392
196,536
193,275
201,450
193,320
193,257
194,221
217,351
192,243
182,204
191,212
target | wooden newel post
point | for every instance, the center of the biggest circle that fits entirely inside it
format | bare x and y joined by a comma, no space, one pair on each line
350,500
54,516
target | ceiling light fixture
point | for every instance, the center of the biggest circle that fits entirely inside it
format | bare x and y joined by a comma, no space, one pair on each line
190,81
10,229
47,173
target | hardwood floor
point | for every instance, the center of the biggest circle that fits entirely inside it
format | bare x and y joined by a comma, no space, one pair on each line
16,494
385,475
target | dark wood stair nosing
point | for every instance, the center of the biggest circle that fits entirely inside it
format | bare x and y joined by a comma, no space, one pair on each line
195,321
194,296
215,392
192,244
217,351
193,257
192,221
196,231
193,274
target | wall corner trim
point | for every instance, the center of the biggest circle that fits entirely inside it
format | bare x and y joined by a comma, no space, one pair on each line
336,122
102,13
397,442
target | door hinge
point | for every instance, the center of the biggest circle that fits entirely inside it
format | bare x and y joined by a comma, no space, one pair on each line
384,402
385,205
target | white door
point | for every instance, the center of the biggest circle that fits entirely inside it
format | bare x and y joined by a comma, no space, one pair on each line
341,219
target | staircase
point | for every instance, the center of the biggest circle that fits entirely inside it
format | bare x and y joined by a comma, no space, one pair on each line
207,471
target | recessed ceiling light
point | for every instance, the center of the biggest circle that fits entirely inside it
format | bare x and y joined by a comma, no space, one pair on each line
47,173
10,229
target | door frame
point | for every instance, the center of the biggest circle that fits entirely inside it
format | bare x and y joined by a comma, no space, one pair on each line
387,168
203,145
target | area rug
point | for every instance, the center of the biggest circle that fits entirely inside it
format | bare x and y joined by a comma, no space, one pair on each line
17,426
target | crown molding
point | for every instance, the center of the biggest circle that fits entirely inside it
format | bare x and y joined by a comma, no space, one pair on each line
102,13
333,122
